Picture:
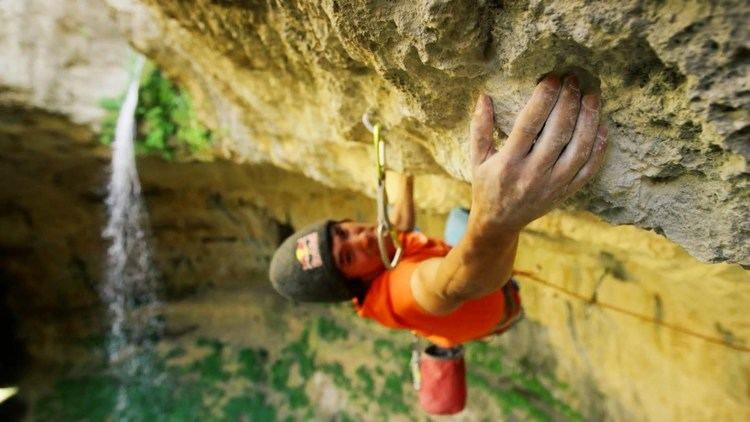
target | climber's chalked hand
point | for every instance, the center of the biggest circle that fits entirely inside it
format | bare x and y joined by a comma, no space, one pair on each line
557,145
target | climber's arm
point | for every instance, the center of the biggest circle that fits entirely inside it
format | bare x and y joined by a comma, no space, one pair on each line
402,217
555,147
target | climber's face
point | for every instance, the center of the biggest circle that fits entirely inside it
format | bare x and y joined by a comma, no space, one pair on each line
355,250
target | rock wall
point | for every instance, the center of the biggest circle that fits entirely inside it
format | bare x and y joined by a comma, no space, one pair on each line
61,57
634,327
637,315
287,83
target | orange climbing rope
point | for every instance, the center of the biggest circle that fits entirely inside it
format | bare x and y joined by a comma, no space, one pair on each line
531,276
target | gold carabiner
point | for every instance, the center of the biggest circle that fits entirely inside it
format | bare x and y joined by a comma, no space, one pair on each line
379,152
384,222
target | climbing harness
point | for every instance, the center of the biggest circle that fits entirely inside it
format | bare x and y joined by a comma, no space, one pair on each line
384,223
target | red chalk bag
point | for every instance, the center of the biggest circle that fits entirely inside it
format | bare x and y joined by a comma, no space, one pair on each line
442,380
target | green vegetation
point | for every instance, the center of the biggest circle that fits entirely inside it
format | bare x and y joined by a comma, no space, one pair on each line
165,118
336,371
211,366
215,381
294,354
260,409
515,392
367,384
387,349
330,331
173,393
252,364
485,356
391,397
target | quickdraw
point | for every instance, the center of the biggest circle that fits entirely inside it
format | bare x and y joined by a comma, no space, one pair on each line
384,223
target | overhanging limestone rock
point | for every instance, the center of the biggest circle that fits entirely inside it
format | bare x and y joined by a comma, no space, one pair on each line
215,223
287,83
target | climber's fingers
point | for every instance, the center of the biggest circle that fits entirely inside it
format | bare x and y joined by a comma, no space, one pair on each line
559,127
482,124
594,163
578,150
531,119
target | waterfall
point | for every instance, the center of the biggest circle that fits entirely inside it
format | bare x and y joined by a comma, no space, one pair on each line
130,288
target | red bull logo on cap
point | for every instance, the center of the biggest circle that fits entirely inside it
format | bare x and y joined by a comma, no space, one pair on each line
308,253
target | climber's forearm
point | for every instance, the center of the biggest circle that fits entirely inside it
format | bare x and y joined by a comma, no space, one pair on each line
402,217
476,267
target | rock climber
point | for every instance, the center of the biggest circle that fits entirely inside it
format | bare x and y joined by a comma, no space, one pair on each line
451,295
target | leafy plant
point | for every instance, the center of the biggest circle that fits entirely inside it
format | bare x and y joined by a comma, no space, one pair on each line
165,119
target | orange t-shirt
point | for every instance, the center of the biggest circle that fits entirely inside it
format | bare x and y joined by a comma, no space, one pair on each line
390,301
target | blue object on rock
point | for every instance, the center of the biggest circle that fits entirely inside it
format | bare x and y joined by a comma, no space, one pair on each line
455,225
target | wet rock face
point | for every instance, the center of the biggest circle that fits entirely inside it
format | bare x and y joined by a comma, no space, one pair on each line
288,82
